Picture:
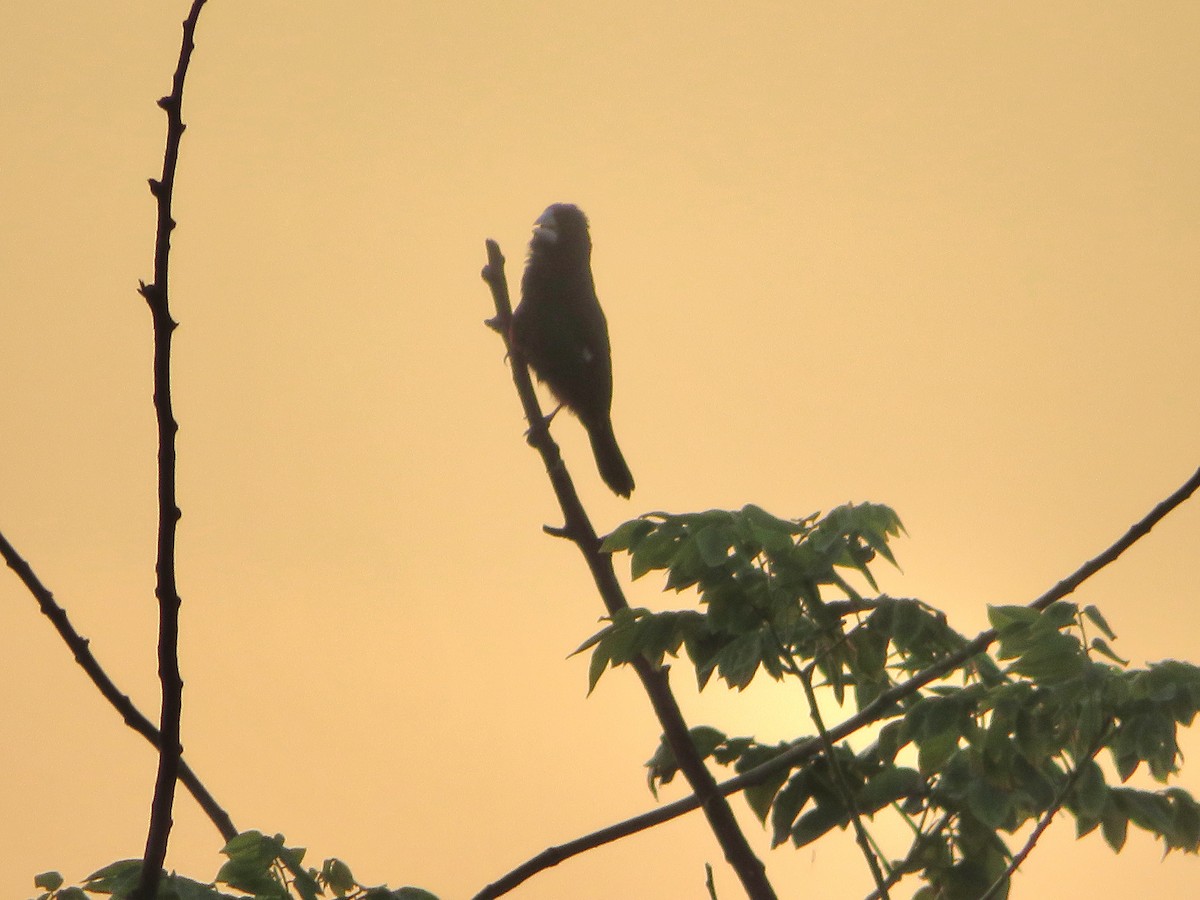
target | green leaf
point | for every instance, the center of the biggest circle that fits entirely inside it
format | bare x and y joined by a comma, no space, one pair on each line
338,876
738,661
596,667
713,542
988,803
1099,621
251,855
1114,825
892,784
1090,794
788,804
1059,614
1101,647
73,893
817,822
1051,658
120,877
759,797
1003,618
934,752
413,893
626,535
50,881
706,739
656,551
1185,823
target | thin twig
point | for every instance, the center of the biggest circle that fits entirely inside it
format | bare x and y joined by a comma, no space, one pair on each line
156,294
132,716
1047,816
578,527
860,831
804,750
919,842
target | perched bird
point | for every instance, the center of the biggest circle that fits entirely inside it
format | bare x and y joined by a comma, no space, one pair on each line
561,331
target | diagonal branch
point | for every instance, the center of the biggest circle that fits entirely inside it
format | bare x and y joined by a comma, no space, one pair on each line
131,714
802,751
578,528
170,748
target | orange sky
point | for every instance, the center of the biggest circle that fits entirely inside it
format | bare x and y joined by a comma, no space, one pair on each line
942,257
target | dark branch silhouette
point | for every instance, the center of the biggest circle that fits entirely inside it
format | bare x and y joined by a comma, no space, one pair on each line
156,294
806,749
132,716
578,528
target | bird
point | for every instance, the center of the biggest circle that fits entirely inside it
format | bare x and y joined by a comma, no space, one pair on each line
561,332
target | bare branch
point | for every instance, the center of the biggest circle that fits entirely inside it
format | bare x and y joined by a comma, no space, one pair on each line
170,748
132,716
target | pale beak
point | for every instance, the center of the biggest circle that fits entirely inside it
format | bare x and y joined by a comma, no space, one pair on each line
545,229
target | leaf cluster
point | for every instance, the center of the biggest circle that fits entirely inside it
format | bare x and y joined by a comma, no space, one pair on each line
259,867
1012,737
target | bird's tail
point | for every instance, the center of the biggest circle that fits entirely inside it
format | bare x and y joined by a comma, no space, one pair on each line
609,460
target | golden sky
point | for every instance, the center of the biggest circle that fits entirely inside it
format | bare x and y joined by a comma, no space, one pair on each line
939,256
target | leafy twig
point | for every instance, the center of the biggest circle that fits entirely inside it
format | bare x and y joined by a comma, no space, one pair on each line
578,528
881,704
804,750
166,590
901,869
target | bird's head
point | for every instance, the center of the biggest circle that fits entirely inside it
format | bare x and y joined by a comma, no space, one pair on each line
564,227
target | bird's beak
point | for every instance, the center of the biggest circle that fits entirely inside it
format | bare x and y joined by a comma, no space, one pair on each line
545,229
